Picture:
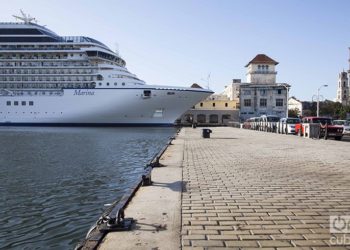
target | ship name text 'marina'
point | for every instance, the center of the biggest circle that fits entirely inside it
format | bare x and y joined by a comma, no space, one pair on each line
83,92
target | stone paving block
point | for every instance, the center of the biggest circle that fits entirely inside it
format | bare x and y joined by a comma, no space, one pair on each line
287,237
207,243
309,243
223,237
275,243
242,243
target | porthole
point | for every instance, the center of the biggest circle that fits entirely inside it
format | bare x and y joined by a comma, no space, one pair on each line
107,83
123,83
99,84
115,84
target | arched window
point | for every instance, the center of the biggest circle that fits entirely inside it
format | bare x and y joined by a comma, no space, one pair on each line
99,77
201,118
213,119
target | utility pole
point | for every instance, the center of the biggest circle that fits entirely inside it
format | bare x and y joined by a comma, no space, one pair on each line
318,99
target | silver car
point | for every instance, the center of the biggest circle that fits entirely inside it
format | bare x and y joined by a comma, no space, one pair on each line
345,124
287,125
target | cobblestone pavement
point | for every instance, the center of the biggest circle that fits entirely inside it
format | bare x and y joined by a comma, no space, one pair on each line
247,189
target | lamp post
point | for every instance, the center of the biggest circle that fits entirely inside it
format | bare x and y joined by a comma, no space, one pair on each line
318,99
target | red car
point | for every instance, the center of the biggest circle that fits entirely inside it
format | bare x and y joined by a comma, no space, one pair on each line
327,127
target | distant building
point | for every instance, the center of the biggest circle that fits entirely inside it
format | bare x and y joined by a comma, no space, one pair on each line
261,95
343,89
305,108
232,90
217,109
295,104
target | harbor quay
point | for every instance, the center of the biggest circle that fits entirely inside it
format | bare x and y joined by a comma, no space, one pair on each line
242,189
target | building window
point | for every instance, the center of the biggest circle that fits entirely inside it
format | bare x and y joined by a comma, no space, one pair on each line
247,102
279,91
213,104
263,92
263,102
226,104
279,102
246,92
31,103
201,104
8,103
201,118
213,119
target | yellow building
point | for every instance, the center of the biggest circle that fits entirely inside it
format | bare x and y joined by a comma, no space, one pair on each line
217,102
216,110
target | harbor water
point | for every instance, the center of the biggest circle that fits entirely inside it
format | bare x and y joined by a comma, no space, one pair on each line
54,181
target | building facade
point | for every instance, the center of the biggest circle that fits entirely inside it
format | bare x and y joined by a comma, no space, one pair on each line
261,94
216,110
343,89
295,104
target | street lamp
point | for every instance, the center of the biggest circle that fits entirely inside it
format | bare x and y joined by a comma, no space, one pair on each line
318,99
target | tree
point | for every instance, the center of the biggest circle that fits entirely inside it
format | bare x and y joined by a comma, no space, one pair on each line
293,112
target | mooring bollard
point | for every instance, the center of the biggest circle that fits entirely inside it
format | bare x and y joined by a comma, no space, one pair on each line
206,132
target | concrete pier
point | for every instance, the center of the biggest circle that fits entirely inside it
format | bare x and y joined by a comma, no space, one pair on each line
241,189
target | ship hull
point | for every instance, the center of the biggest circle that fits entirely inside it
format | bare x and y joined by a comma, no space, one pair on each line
101,107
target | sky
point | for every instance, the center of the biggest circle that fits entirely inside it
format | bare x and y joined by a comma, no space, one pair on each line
181,42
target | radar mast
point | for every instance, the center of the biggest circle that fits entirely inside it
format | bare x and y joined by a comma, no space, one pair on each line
26,18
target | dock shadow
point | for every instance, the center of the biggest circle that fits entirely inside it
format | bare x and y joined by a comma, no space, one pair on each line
149,227
174,186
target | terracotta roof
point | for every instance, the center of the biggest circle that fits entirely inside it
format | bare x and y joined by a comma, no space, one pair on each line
262,58
196,86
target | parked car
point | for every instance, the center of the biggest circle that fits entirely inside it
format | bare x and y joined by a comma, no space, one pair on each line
327,129
287,125
269,123
345,124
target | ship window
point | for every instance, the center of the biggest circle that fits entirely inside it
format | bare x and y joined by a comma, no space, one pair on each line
15,103
8,103
171,93
107,83
226,104
123,83
99,77
213,104
201,104
115,84
99,84
31,103
23,103
147,93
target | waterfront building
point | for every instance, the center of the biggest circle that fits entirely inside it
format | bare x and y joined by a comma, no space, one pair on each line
217,109
343,89
232,90
295,104
261,94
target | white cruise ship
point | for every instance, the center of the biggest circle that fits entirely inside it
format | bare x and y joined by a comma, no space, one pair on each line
46,79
